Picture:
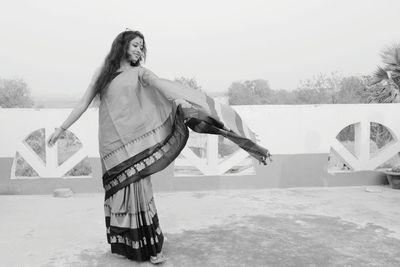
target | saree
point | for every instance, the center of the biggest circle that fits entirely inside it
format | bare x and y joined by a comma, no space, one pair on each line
141,131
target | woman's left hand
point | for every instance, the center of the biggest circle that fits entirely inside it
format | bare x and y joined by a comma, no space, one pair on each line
54,137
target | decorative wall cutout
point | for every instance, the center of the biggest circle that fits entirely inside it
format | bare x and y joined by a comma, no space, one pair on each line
34,159
212,155
365,145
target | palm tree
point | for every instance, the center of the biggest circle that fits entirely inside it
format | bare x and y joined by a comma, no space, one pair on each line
385,84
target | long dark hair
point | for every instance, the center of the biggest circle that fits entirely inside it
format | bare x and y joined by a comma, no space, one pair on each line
112,62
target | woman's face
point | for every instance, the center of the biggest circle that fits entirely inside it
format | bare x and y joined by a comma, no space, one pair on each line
135,49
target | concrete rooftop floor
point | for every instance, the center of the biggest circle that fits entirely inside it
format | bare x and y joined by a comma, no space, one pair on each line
346,226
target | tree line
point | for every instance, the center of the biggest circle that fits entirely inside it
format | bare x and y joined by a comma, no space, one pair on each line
15,93
332,88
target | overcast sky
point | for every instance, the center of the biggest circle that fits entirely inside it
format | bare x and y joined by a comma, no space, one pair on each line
55,46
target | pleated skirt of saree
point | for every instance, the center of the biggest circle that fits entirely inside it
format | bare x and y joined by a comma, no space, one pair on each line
132,224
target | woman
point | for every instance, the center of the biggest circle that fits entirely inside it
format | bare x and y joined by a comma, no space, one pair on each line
143,124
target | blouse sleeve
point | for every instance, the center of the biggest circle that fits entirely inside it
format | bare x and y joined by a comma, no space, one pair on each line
169,89
147,77
173,90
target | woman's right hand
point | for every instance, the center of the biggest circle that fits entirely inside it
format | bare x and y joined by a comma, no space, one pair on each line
183,103
54,137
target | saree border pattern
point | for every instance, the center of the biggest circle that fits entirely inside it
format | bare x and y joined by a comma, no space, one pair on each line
148,161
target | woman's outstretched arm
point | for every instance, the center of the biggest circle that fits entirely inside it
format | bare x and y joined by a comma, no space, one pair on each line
172,90
75,114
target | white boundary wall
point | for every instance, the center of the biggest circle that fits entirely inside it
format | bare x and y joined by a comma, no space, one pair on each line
283,129
309,129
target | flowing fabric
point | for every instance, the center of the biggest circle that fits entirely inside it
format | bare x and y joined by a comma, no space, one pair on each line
132,223
141,131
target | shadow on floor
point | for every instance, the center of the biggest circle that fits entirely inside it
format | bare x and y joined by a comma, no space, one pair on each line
284,240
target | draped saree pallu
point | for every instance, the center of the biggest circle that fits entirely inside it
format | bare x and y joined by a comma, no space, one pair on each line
141,131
